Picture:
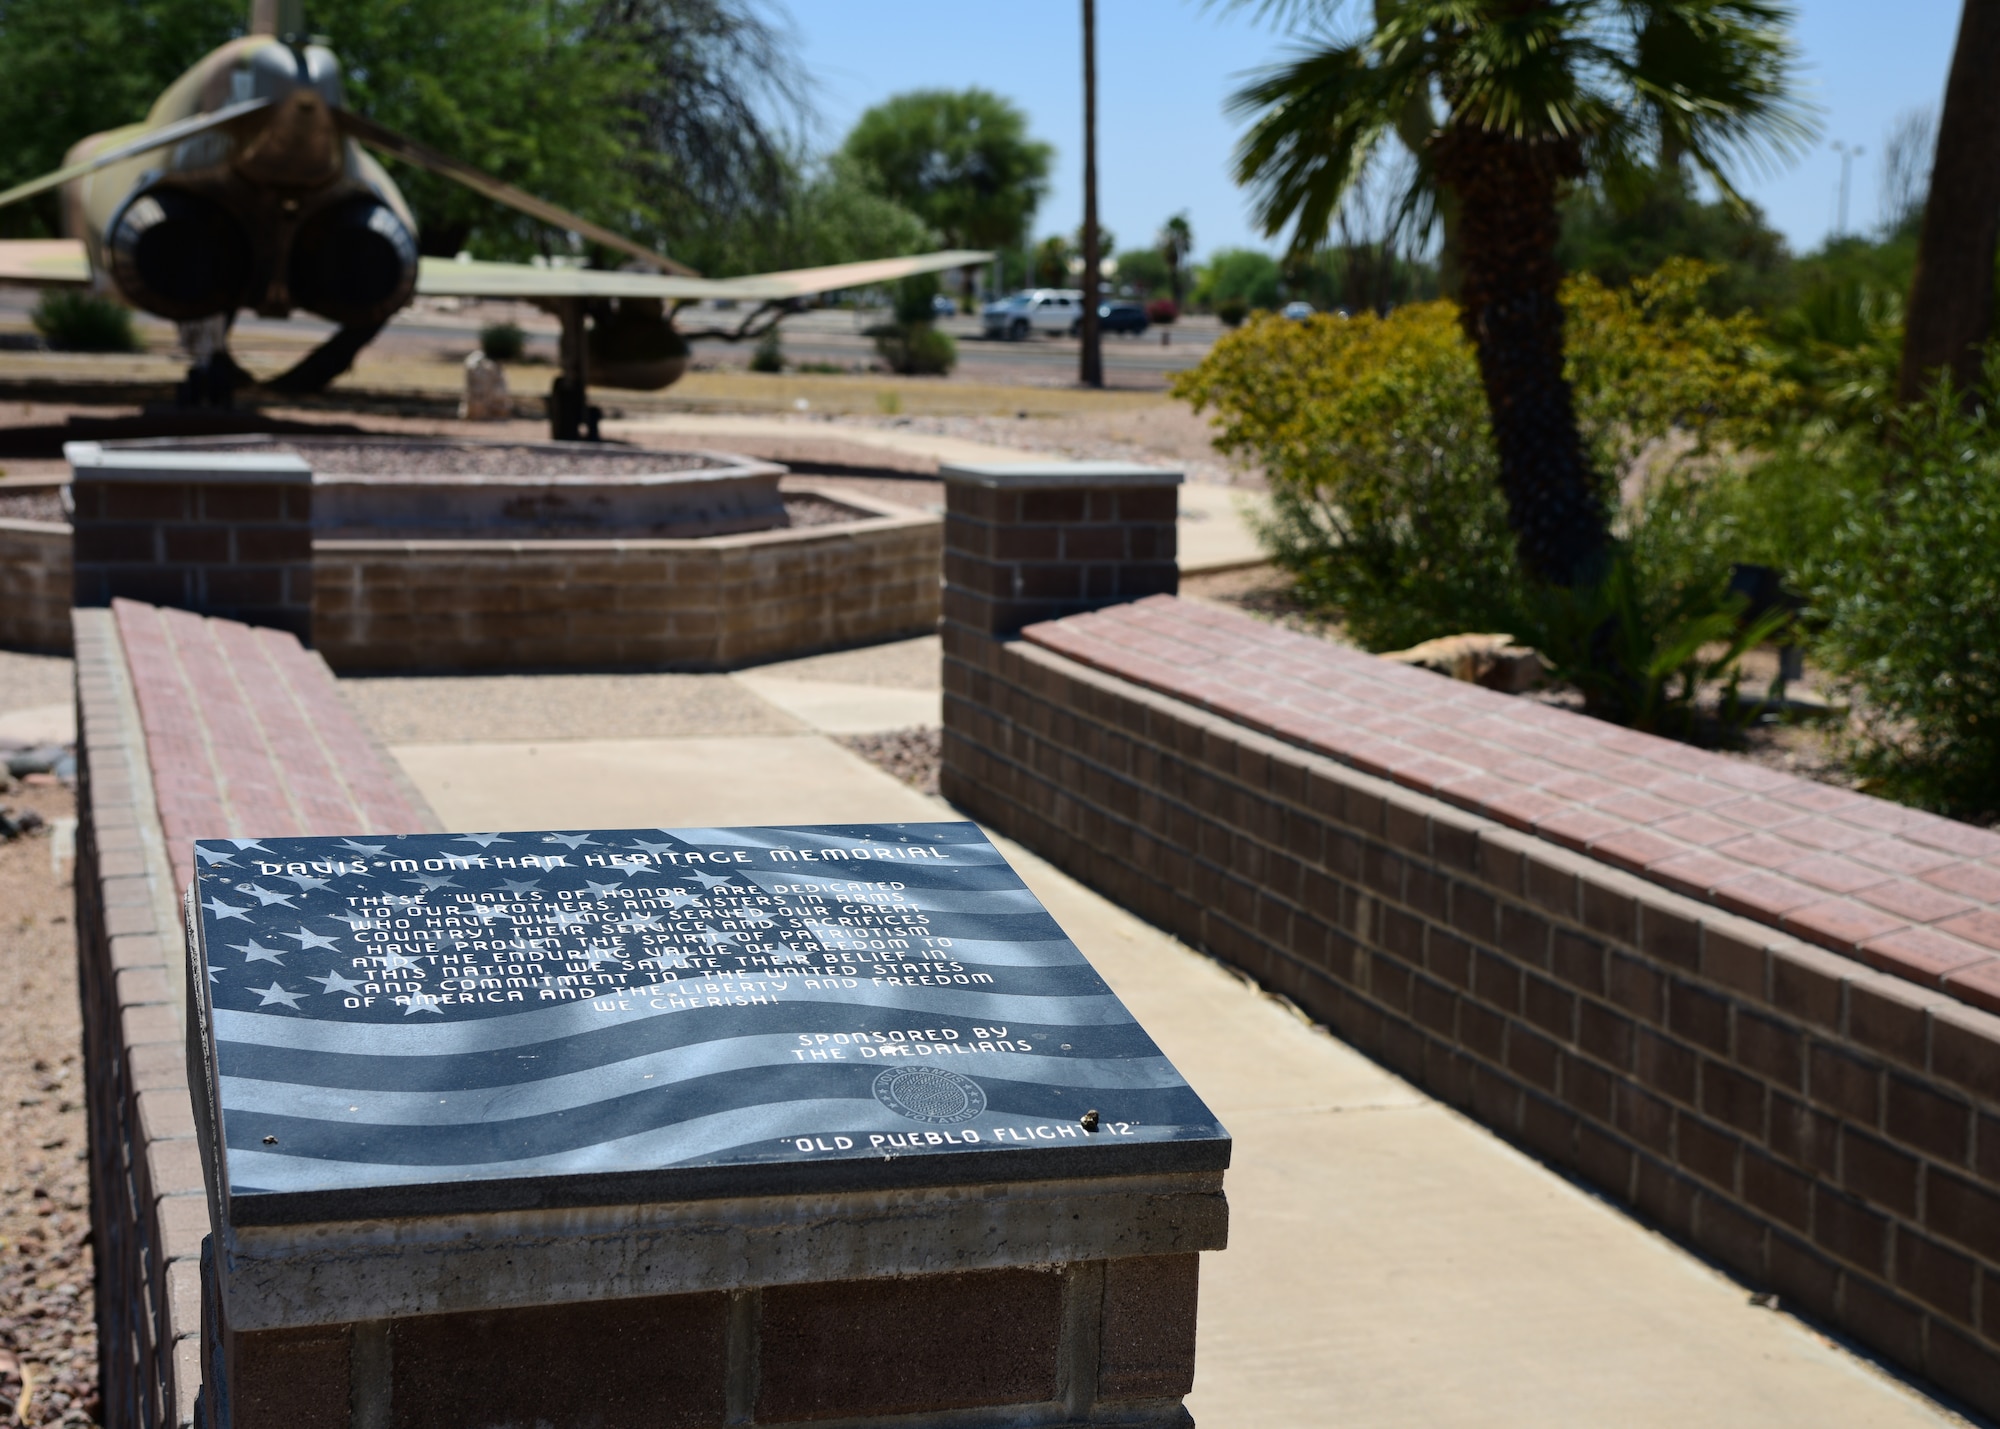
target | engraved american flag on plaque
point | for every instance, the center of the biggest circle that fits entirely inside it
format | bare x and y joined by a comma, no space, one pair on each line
443,1022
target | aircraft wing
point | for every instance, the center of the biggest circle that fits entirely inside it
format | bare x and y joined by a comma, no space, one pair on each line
802,282
43,261
455,278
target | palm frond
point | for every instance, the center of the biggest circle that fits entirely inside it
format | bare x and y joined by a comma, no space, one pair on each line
1318,123
1717,80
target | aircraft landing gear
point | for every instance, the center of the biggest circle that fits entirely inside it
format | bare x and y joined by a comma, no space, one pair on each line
572,418
212,375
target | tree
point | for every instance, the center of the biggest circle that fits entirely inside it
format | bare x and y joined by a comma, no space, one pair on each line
1619,237
961,161
73,67
1176,245
1950,313
1241,275
1536,94
718,114
1053,256
1145,272
830,216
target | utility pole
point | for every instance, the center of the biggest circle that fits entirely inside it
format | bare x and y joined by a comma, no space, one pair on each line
1848,154
1090,360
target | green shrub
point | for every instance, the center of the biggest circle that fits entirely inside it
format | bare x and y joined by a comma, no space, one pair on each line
70,320
916,297
1232,311
916,349
1240,275
1909,596
1373,434
769,354
503,342
1641,651
1384,487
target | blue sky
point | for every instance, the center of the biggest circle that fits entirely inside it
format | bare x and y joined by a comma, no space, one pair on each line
1165,68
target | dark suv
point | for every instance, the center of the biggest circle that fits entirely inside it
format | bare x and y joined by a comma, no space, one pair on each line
1122,317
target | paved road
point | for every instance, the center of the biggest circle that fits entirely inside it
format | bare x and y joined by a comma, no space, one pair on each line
833,337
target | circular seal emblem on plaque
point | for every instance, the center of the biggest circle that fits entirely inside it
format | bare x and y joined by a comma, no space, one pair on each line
930,1094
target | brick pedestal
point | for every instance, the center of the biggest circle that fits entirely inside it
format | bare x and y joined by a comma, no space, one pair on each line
1029,541
223,533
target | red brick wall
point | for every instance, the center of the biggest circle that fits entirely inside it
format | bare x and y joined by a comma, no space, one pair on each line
1594,941
239,549
711,604
188,728
34,586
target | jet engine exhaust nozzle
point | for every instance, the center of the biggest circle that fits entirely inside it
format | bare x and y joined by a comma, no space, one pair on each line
355,262
180,255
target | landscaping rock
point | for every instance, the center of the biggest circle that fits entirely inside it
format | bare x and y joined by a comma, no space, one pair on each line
486,398
1494,661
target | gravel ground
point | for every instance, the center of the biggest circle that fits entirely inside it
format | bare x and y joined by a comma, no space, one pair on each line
455,709
920,493
48,1338
42,505
1167,434
803,509
912,755
389,457
30,680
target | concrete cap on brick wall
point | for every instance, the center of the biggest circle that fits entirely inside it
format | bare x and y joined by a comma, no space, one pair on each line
1038,475
110,463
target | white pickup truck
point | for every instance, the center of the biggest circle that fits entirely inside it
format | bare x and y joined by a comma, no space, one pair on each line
1032,310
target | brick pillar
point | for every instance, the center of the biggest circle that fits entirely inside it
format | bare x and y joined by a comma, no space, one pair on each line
219,532
1029,541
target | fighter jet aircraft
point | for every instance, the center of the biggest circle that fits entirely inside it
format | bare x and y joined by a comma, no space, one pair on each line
250,185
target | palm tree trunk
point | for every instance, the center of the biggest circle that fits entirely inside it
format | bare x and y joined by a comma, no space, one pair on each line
1951,297
1510,305
1090,360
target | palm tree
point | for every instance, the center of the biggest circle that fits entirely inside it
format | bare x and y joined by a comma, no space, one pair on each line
1951,295
1176,244
1536,95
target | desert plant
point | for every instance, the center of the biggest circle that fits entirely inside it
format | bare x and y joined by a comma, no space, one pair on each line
503,342
1372,432
916,349
1641,652
916,299
1374,440
1909,594
84,322
769,354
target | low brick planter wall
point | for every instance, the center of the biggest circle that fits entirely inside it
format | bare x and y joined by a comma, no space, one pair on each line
712,603
709,604
1476,891
35,585
188,728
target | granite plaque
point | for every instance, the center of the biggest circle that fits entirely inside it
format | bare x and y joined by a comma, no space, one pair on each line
435,1023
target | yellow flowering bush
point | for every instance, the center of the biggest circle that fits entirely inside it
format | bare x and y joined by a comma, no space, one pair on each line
1373,434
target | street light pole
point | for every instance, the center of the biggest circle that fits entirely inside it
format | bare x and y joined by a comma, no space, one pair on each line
1848,154
1090,360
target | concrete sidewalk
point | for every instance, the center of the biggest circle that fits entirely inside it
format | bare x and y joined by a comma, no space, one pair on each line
1391,1263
